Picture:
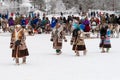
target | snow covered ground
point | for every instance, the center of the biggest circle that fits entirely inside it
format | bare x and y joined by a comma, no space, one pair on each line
43,64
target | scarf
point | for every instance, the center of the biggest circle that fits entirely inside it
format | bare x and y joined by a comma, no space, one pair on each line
17,33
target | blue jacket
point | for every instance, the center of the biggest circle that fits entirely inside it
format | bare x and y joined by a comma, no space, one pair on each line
76,26
23,22
82,26
53,23
108,32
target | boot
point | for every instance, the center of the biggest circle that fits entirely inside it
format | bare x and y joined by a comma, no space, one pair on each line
58,52
77,53
107,50
84,52
17,61
24,60
103,51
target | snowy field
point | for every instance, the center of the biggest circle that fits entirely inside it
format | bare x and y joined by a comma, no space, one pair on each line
43,64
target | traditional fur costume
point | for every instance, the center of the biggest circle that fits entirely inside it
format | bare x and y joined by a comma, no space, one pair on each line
57,37
18,45
30,30
78,43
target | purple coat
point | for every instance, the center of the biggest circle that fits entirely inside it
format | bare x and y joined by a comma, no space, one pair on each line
86,22
11,22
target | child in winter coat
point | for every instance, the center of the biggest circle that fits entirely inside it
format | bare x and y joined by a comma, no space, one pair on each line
18,45
78,43
107,43
57,37
105,39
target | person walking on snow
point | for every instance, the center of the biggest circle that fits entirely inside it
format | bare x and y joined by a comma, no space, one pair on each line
105,39
78,41
18,45
57,37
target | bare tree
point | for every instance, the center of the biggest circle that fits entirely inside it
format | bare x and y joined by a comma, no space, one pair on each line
39,3
93,4
53,5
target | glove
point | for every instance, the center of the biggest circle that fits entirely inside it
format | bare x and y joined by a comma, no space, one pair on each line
11,45
71,43
65,40
18,42
51,39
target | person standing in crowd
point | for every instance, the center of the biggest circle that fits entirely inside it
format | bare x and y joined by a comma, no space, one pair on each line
118,20
93,24
86,22
18,45
102,37
47,26
23,22
4,24
107,43
53,22
78,42
11,23
105,38
57,37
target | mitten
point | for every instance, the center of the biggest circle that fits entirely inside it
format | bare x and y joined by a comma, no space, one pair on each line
65,40
71,42
51,39
11,45
18,42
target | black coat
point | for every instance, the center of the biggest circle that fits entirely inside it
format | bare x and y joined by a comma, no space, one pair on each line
118,20
103,31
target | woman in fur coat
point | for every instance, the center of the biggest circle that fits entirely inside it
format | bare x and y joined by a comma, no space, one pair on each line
78,43
18,45
57,37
